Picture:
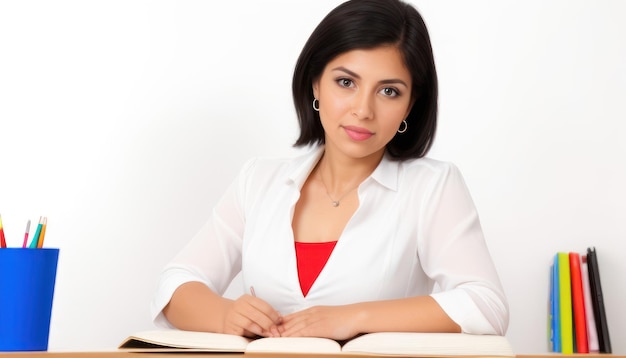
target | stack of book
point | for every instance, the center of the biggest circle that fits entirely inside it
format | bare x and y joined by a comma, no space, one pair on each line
577,314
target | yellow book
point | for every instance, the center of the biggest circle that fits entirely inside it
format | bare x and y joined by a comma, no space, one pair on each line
565,304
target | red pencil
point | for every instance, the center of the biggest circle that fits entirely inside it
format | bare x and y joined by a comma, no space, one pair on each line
3,242
26,234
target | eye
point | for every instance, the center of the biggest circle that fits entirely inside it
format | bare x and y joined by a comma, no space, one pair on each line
390,92
345,82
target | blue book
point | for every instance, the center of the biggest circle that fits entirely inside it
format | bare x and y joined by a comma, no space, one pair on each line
551,311
556,316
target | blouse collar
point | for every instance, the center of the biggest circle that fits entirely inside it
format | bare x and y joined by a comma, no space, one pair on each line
386,173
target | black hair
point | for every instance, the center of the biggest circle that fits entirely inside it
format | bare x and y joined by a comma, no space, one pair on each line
367,24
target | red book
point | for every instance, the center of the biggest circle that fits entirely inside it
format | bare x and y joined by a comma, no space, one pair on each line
578,304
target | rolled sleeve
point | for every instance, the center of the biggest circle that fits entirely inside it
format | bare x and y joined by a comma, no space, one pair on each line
454,254
171,278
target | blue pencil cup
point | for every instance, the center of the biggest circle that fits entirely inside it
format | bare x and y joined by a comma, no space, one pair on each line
27,278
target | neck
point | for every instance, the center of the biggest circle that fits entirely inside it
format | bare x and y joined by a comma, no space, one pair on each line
341,174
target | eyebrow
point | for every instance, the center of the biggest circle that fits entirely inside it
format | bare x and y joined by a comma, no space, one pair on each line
387,81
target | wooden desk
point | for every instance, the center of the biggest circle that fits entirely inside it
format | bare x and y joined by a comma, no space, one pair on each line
123,354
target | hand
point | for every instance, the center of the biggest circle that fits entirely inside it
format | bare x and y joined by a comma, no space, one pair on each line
251,316
335,322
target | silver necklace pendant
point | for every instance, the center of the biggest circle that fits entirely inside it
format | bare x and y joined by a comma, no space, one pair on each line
335,203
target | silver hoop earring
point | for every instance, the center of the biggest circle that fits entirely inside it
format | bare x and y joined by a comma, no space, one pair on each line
403,129
316,105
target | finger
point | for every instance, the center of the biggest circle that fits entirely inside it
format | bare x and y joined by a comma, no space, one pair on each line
249,334
272,332
295,317
294,325
280,329
259,318
253,317
274,316
275,331
241,325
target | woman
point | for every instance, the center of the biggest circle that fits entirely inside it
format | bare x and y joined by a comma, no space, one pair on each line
362,234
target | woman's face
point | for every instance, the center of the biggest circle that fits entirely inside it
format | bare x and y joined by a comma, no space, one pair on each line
363,96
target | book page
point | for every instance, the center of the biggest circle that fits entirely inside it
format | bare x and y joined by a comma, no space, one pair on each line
205,341
430,344
294,345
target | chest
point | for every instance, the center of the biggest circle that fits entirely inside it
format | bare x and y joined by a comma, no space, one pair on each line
375,256
318,217
364,265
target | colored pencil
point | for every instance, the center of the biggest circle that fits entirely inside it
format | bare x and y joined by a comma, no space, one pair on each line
44,224
26,234
35,240
3,242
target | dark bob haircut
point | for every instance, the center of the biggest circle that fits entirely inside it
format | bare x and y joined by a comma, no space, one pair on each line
366,24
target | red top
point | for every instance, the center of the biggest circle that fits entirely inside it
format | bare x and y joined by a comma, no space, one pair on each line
311,258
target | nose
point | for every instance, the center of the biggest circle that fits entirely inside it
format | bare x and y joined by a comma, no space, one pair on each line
363,106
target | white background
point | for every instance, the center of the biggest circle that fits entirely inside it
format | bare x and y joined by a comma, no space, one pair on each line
123,122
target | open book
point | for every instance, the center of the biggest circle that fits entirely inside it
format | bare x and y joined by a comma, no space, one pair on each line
383,343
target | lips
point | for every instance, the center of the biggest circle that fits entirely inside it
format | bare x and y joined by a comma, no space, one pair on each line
358,133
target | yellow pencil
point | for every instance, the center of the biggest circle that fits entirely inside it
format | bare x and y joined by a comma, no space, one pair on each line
43,232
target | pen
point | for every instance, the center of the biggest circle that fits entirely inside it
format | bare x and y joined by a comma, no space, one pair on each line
33,243
44,224
26,234
3,242
252,291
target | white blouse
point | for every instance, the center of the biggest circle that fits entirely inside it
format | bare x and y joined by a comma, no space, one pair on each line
416,232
